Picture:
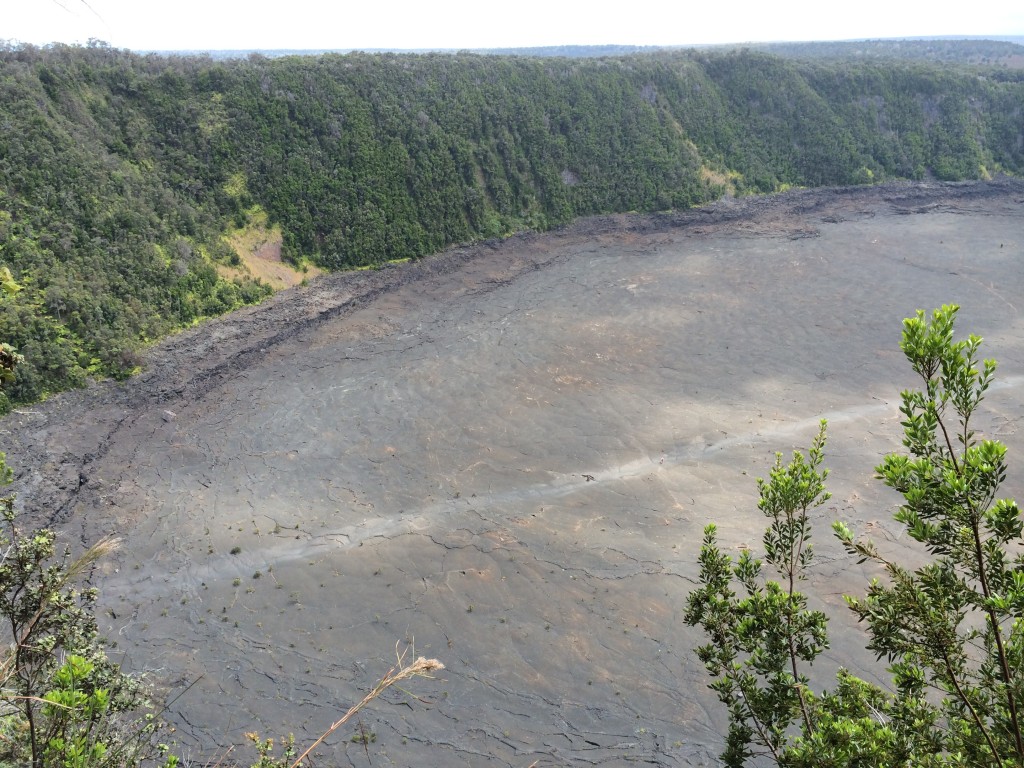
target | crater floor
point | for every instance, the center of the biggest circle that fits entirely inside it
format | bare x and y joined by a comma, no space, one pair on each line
505,456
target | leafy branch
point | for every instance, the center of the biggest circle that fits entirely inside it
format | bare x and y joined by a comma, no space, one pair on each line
951,631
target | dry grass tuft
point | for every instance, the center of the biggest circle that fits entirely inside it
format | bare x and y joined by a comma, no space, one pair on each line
422,667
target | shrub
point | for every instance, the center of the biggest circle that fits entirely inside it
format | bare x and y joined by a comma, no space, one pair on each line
952,631
62,701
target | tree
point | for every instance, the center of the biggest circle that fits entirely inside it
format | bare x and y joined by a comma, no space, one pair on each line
951,631
9,357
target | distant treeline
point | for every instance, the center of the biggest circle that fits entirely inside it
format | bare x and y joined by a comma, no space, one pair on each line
1002,53
120,173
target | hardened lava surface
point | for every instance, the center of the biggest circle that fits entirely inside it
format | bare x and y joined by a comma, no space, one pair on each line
503,457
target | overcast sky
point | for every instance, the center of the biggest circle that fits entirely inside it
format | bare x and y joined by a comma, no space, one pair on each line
413,24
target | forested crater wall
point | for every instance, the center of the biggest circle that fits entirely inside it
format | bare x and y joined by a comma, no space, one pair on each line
126,181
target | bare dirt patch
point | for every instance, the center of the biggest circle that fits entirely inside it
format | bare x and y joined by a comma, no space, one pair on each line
259,250
507,454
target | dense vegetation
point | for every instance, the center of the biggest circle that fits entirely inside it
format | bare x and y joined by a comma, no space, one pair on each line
120,174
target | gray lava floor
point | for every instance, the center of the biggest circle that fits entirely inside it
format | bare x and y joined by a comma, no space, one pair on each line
508,464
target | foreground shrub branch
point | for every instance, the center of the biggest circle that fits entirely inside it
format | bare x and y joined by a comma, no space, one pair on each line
951,631
422,667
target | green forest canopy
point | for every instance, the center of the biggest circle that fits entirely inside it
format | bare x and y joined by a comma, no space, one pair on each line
122,174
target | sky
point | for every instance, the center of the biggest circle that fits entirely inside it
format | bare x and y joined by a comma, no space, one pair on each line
446,24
